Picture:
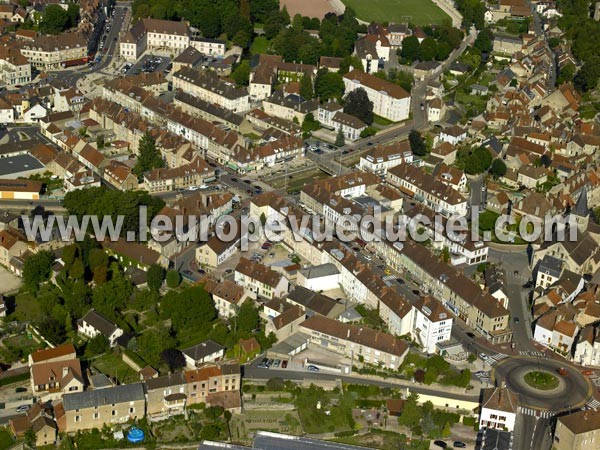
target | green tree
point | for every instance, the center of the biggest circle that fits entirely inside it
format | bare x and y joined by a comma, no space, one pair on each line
357,104
417,143
485,41
410,48
478,161
55,20
77,270
73,15
329,85
443,51
37,268
428,49
30,437
155,277
97,345
241,74
340,140
306,87
566,74
498,168
411,414
149,157
173,279
191,308
153,342
247,319
309,124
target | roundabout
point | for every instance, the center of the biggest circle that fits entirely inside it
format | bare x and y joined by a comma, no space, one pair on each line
541,380
540,386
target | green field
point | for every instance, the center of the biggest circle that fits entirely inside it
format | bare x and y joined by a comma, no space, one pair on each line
419,12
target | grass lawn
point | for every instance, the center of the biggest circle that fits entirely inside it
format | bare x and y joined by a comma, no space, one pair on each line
419,12
113,366
6,439
381,121
259,45
543,381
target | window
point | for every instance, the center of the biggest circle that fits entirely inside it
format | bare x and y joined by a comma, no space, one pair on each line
77,418
96,416
113,412
131,410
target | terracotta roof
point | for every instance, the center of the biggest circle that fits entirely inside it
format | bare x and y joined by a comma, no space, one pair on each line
373,82
53,353
500,399
259,272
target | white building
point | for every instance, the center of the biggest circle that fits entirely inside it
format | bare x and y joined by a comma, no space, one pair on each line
323,277
383,158
259,280
587,350
433,323
351,126
205,352
499,408
327,111
154,34
453,134
390,101
211,47
93,324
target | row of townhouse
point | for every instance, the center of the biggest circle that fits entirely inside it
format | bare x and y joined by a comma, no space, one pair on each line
461,295
56,375
428,322
382,158
425,188
14,67
52,52
207,86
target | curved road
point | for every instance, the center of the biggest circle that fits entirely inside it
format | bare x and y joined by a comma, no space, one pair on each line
573,391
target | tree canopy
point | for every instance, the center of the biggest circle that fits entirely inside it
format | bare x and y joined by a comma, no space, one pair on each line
37,268
357,104
417,143
149,156
329,85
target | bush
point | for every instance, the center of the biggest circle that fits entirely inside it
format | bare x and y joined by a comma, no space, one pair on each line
469,421
173,278
275,384
346,433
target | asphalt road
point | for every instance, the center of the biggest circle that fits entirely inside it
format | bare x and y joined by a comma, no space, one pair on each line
573,392
518,296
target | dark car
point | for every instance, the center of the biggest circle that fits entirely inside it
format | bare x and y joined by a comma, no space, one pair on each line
234,179
416,292
369,144
20,389
247,181
441,444
516,320
399,281
458,444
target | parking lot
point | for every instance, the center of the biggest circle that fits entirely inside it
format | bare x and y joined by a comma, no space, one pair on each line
148,64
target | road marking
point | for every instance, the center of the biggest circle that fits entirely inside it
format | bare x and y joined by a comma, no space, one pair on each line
592,404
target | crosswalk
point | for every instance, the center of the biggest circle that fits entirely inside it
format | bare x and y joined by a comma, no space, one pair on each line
532,354
592,404
493,359
544,414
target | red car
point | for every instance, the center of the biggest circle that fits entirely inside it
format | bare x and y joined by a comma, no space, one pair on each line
284,364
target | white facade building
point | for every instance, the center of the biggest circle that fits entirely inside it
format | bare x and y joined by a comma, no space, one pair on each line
433,323
390,101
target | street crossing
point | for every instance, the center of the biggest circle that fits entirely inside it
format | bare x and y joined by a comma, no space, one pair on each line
592,404
493,359
532,354
544,414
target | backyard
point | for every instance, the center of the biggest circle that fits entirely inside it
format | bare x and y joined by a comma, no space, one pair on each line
399,11
113,366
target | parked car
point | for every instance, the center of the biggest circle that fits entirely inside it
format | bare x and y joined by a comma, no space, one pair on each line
23,408
20,390
483,356
312,368
276,363
270,362
284,364
440,444
458,444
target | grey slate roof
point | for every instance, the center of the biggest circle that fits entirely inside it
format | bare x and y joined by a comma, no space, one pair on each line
174,379
581,207
100,323
311,300
118,394
202,350
496,440
551,265
321,270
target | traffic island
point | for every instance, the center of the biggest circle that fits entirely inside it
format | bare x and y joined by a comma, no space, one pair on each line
541,380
